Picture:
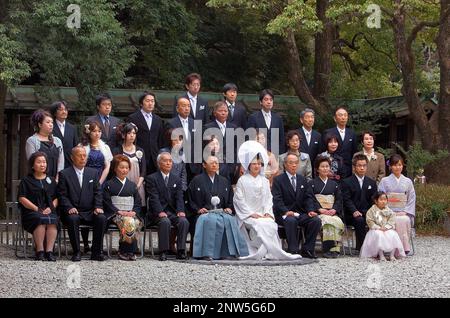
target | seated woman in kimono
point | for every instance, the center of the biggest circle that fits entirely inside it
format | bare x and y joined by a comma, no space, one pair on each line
401,199
217,234
122,204
328,204
253,205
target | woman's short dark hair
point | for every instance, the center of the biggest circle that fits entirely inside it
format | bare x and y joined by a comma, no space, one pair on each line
290,134
265,92
394,159
144,95
118,159
102,97
378,195
55,106
124,129
329,138
320,159
33,158
367,133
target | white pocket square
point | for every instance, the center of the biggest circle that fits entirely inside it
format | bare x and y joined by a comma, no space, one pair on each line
198,189
316,142
90,181
302,187
202,107
175,185
350,139
370,187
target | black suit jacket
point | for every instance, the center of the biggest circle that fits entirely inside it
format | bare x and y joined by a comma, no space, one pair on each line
84,199
285,199
355,198
256,120
202,112
175,122
239,118
69,140
346,149
314,147
161,198
150,140
201,190
114,122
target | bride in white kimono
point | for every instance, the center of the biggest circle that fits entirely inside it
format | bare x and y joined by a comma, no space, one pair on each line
253,204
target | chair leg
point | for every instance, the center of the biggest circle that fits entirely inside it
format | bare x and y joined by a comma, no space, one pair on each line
150,238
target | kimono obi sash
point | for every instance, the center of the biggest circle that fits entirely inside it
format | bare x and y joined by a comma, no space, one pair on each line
326,201
123,203
397,200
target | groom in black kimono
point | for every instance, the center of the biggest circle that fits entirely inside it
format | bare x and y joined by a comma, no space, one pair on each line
80,202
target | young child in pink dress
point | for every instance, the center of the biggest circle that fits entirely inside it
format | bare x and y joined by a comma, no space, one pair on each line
382,237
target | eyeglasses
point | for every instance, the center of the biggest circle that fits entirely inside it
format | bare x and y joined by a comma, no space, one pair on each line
361,166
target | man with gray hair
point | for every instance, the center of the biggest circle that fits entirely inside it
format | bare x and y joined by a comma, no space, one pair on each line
311,139
166,206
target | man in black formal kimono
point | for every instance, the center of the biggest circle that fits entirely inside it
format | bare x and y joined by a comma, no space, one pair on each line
166,206
199,105
237,113
192,146
150,134
64,130
203,187
293,207
311,140
107,122
348,143
80,202
267,120
357,192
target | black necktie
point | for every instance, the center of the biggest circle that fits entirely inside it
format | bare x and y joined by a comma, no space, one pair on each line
106,127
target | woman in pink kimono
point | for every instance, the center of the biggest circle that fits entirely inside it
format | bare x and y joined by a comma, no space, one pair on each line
401,199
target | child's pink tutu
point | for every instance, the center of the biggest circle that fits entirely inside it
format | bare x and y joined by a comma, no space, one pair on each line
386,241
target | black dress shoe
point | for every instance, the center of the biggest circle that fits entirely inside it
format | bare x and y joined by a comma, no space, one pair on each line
181,254
76,257
86,249
163,256
328,254
98,257
49,256
40,256
308,254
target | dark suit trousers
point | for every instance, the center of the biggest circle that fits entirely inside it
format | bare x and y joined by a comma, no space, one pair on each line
98,223
164,229
311,226
360,230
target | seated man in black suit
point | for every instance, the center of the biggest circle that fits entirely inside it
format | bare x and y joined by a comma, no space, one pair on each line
237,114
293,206
81,202
357,192
108,123
166,206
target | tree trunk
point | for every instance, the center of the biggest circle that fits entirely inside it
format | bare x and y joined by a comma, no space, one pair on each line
297,78
429,133
443,44
323,54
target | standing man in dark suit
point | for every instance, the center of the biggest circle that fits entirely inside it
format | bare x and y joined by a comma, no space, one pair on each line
269,120
199,105
166,206
346,137
80,202
187,130
357,192
293,207
311,139
150,135
237,114
107,122
64,130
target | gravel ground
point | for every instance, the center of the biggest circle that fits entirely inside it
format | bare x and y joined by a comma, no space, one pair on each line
427,274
